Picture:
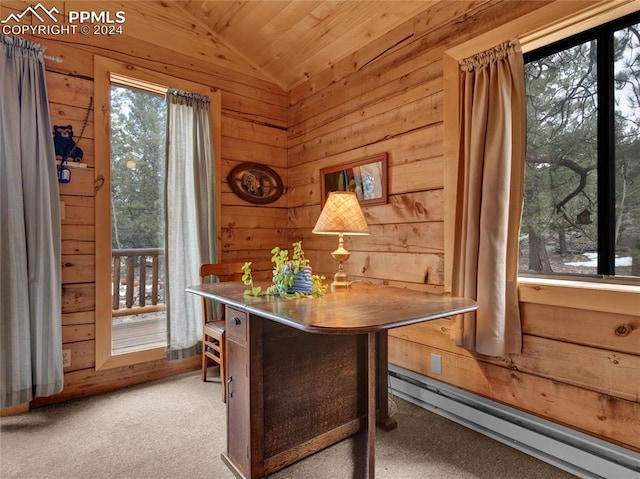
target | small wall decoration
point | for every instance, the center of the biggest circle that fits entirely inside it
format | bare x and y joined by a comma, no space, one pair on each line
255,183
66,148
366,177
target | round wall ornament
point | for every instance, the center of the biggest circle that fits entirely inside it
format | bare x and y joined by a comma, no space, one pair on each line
255,183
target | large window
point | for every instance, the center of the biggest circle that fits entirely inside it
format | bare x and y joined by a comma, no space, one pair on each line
582,183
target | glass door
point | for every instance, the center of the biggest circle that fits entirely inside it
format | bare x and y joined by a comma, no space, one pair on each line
138,137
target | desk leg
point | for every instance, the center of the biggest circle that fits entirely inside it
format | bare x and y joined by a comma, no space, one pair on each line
372,366
384,420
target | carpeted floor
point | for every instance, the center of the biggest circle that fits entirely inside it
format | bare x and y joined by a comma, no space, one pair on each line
175,428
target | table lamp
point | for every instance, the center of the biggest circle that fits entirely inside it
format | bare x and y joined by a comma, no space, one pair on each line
341,215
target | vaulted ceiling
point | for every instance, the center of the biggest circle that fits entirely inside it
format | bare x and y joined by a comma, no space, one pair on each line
292,39
283,41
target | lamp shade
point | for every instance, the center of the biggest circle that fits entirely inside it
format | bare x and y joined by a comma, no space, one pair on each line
341,214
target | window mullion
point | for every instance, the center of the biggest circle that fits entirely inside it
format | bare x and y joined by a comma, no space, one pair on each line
606,155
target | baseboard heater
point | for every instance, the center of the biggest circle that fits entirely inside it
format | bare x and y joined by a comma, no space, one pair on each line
572,451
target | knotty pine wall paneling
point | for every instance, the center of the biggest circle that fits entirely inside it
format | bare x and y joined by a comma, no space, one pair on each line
579,362
579,366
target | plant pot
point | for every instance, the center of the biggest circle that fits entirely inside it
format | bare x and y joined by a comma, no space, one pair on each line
302,282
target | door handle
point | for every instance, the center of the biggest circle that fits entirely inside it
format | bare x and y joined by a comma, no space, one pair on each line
229,390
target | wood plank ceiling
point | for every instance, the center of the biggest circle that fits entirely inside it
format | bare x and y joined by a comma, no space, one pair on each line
284,41
291,40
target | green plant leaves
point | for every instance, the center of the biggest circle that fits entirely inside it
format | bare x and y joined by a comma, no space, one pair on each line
284,272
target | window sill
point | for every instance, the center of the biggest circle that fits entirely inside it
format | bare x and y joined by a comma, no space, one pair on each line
586,295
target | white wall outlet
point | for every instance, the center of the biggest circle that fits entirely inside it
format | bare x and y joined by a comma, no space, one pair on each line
436,363
66,358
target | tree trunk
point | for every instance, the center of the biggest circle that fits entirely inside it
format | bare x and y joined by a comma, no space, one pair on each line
538,258
562,240
635,259
635,265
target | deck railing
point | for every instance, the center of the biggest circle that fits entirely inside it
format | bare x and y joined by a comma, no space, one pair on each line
138,281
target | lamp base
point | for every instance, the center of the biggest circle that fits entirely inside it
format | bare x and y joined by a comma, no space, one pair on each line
340,280
340,285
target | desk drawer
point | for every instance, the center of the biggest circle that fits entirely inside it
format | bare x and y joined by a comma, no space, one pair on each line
236,324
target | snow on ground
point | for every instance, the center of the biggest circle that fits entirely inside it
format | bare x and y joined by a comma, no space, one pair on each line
592,261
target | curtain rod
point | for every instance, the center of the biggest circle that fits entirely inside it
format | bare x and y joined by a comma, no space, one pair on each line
53,59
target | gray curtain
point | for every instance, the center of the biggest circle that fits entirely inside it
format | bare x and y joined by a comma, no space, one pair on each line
191,222
30,258
490,182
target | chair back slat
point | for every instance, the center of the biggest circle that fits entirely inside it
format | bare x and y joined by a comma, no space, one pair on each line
224,272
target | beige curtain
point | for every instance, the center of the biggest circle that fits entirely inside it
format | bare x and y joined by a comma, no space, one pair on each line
191,237
490,186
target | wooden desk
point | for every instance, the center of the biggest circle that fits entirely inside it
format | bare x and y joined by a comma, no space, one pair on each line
302,373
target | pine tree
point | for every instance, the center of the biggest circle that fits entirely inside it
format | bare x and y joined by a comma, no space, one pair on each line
138,134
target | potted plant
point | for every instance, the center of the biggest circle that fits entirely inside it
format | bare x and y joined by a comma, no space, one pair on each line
292,277
247,279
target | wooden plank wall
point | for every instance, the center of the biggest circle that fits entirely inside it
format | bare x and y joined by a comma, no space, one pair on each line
254,119
388,97
579,367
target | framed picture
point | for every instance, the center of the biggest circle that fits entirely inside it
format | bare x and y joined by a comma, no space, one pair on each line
366,177
255,183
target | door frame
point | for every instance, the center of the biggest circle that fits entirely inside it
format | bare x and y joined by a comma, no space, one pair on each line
103,70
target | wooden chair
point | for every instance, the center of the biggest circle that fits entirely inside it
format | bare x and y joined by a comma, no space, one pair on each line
213,329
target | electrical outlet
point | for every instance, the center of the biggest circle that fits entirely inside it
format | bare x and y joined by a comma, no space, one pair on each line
66,358
436,363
